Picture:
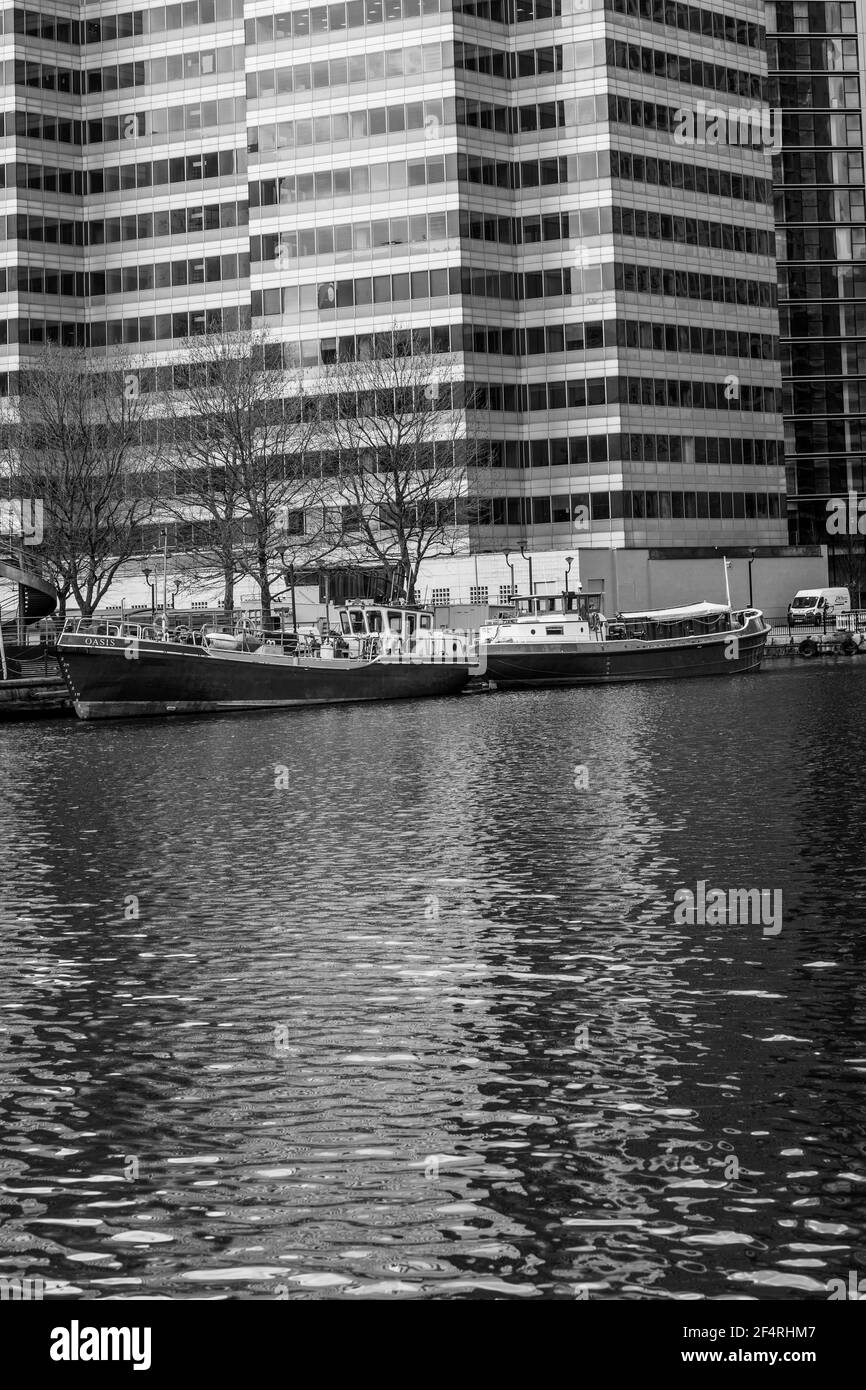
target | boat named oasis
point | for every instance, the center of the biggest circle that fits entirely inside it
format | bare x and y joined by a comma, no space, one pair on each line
384,652
565,639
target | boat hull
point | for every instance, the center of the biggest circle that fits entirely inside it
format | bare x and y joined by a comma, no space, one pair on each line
514,665
121,678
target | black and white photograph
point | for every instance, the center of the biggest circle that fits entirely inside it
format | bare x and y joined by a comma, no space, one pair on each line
432,668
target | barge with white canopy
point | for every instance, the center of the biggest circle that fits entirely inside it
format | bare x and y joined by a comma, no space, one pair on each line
565,639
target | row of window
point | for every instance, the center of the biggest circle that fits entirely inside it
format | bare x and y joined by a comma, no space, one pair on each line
416,173
808,17
822,166
694,178
812,55
386,65
120,77
191,14
823,358
829,436
627,505
526,62
425,229
693,19
133,227
847,281
801,129
822,320
514,512
692,231
148,329
692,284
820,205
672,67
580,393
577,452
829,397
829,477
660,393
821,244
569,338
510,11
119,178
651,115
819,90
429,116
417,285
334,18
128,279
106,130
639,334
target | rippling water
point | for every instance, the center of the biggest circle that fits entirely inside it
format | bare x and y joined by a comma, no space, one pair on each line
420,1023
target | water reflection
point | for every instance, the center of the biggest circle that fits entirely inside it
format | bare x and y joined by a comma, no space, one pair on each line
423,1023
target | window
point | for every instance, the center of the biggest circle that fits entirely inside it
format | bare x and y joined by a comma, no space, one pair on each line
478,593
441,598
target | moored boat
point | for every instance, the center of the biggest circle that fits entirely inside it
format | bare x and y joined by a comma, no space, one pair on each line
565,639
385,652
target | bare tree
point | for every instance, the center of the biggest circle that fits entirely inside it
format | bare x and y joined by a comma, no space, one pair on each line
407,460
73,439
239,426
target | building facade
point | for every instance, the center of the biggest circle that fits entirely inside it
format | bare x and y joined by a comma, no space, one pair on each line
571,198
817,59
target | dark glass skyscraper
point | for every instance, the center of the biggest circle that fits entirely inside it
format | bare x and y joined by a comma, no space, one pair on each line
816,77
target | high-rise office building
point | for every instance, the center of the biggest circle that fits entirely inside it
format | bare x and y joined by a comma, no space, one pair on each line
817,79
573,198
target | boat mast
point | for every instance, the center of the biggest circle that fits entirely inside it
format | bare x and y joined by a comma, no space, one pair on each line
727,564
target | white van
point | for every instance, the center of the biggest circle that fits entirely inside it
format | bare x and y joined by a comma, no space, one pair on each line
816,605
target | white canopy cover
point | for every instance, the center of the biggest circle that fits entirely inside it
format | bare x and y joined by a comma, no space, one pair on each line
676,615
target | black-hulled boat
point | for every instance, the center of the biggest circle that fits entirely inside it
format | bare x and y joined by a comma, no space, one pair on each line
566,640
385,652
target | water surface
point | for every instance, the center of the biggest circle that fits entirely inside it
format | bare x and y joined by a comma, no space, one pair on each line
376,1001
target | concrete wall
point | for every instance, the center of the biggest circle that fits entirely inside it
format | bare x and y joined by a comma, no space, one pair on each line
629,579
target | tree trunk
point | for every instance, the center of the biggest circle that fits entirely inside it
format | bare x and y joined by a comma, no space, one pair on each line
265,586
228,588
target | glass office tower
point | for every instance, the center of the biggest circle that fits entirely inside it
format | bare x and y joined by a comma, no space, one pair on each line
816,64
537,187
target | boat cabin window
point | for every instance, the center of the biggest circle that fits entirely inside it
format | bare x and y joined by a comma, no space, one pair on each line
547,605
410,624
374,620
524,606
395,621
425,621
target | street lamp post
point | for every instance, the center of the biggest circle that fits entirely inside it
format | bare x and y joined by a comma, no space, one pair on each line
569,561
528,558
511,569
164,570
752,554
146,571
